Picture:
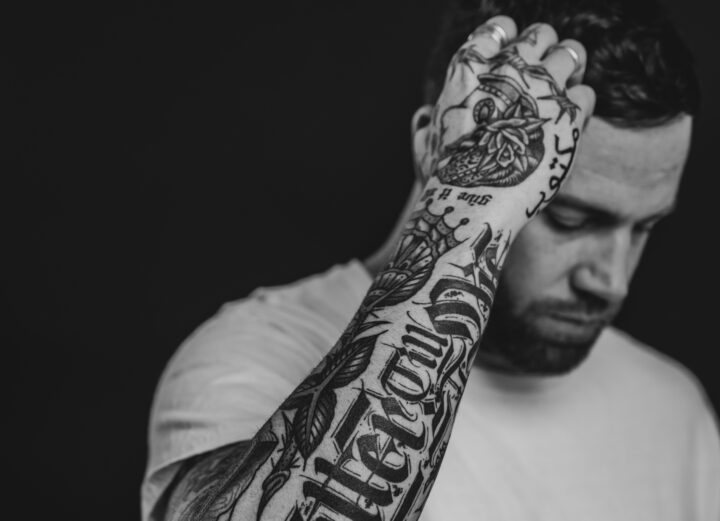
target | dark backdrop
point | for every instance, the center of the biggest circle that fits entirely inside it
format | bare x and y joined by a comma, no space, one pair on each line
173,158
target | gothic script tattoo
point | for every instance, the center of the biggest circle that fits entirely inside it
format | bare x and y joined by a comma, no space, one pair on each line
427,237
363,436
381,452
390,442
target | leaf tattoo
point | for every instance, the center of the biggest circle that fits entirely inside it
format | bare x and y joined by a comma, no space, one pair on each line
281,471
315,399
427,237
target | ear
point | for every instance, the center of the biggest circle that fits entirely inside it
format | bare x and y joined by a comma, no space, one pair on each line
420,130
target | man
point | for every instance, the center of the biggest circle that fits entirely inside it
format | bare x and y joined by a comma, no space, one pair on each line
563,416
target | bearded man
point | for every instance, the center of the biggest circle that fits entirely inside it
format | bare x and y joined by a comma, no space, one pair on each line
264,414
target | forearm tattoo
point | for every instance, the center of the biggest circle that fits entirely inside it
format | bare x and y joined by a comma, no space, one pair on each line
376,458
363,436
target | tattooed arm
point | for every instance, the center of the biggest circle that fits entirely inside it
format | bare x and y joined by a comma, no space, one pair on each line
363,436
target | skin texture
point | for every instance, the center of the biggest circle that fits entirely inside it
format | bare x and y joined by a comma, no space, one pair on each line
569,270
363,435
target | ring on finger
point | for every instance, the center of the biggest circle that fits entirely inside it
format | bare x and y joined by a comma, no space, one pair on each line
573,55
494,31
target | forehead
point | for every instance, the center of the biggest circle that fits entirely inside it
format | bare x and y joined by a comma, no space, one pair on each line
630,172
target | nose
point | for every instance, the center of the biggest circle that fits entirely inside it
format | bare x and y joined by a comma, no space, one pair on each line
606,268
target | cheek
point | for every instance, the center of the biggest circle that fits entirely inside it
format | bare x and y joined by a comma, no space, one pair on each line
538,265
635,255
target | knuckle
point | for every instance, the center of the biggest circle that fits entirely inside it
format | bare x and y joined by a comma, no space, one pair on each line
547,30
506,21
576,45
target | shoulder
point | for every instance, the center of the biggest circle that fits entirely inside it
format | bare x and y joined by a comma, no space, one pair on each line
652,378
660,403
665,414
236,368
257,348
301,316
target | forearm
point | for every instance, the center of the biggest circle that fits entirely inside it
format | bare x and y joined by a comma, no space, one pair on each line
363,436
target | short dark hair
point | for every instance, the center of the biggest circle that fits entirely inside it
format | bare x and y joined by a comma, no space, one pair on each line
641,70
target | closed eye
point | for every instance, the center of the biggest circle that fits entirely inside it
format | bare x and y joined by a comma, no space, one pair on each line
566,219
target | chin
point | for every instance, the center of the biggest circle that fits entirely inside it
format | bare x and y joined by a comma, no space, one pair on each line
535,348
550,358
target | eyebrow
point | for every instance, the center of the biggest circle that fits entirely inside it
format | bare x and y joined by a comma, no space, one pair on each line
579,204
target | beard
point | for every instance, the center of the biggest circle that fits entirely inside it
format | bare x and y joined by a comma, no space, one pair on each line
546,337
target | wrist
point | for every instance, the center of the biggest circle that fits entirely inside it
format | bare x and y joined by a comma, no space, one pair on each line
470,210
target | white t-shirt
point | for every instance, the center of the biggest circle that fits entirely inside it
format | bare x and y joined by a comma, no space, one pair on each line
629,435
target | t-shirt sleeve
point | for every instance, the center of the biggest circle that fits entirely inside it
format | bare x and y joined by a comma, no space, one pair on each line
233,372
707,465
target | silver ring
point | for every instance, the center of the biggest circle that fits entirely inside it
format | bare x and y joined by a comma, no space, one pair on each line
573,54
493,30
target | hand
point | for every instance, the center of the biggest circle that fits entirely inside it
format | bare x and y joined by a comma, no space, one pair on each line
509,116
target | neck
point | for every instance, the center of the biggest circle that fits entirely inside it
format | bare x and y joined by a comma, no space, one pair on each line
379,259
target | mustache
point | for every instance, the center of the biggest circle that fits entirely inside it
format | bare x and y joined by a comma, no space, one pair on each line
586,309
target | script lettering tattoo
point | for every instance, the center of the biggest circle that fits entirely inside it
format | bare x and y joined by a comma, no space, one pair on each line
389,444
363,436
427,237
556,181
444,194
474,199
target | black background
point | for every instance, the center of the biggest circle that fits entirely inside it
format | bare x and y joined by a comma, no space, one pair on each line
173,158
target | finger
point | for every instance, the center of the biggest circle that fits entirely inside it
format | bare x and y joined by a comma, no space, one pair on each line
494,34
534,41
566,61
584,97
